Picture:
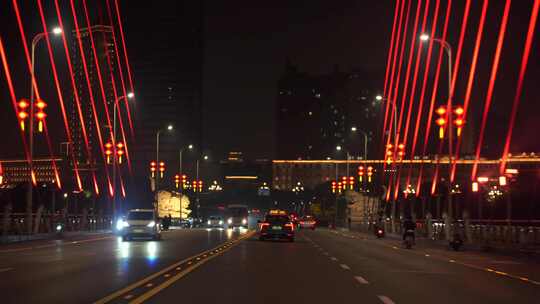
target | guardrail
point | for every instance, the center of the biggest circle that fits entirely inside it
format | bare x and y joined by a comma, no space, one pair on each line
15,223
521,233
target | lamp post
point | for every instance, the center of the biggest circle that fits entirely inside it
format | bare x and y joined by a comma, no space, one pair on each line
340,148
169,128
130,95
180,160
389,147
197,179
354,129
56,31
448,49
394,111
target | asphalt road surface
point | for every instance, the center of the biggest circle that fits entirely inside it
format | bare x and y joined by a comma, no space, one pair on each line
323,266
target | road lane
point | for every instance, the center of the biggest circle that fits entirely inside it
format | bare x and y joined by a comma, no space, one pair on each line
320,267
87,271
407,276
269,272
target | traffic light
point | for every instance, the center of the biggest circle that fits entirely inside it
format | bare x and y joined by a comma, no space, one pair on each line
153,168
40,115
108,152
351,182
120,151
22,115
339,187
177,180
194,186
200,185
369,173
360,173
441,121
161,169
459,121
334,184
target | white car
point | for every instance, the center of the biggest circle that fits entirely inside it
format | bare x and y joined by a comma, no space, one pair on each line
141,223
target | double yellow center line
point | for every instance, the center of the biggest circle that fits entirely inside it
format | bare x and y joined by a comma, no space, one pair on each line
144,289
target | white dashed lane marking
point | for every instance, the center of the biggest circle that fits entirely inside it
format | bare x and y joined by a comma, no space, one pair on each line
5,269
333,259
361,280
345,267
386,300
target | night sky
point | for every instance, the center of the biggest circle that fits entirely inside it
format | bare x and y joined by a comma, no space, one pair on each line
247,44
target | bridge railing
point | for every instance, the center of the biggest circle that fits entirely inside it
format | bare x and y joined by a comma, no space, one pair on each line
520,233
15,223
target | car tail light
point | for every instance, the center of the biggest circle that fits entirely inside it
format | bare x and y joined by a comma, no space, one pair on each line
290,225
264,226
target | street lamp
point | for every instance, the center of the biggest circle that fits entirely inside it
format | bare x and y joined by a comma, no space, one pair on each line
180,158
448,48
169,128
394,111
205,157
117,152
354,129
56,31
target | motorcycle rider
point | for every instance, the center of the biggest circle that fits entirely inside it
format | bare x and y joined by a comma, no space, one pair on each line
379,225
409,225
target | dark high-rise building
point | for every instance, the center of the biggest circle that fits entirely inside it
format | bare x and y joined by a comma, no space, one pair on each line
167,68
315,114
103,42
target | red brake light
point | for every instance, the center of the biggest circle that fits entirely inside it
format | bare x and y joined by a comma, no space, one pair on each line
290,225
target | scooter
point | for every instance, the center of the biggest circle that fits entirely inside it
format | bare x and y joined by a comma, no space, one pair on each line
409,240
456,242
59,230
379,233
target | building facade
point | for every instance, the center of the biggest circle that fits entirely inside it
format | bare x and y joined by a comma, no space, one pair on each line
89,90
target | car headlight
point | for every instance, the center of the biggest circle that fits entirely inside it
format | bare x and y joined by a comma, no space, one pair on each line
120,224
229,221
58,227
151,224
244,221
221,222
209,222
